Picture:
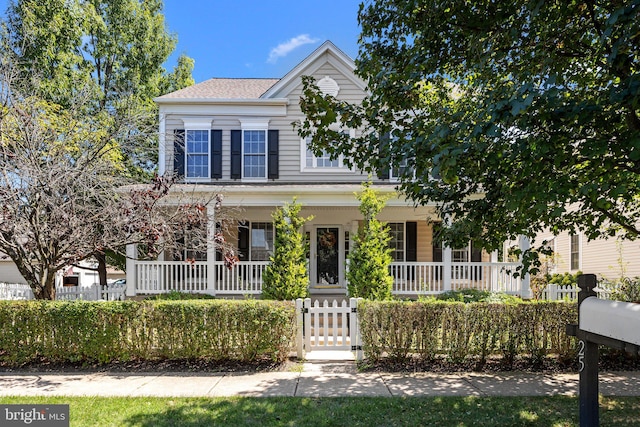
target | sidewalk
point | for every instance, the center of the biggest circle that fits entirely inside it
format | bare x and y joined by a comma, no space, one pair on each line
317,378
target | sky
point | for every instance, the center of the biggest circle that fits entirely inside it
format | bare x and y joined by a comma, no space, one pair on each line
256,38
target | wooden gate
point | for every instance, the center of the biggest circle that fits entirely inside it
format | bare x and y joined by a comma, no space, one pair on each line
328,325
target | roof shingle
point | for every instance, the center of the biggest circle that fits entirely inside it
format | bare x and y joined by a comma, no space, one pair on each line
222,88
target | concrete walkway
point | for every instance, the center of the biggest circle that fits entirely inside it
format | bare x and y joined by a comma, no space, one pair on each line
316,378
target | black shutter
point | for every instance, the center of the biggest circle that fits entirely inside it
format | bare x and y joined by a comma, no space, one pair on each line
437,249
236,154
243,241
412,241
476,256
178,152
216,154
383,153
273,154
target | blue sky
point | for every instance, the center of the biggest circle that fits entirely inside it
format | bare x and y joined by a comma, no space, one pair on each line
256,38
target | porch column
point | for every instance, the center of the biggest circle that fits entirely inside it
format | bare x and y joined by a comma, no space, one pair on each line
525,288
446,259
446,267
211,249
132,256
494,272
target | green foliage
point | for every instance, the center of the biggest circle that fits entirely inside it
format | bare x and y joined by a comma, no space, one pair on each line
466,332
534,105
476,295
286,276
109,52
565,279
369,260
101,332
179,296
622,289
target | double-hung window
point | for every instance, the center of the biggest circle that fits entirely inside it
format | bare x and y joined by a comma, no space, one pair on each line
575,252
255,154
323,161
197,153
396,232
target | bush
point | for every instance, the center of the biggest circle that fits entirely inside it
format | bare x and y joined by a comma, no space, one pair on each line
90,332
179,296
622,289
476,295
461,332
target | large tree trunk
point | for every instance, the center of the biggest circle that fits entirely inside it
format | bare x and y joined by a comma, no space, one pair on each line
42,283
102,267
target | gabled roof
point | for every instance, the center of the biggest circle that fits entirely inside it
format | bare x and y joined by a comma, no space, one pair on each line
262,90
223,89
327,52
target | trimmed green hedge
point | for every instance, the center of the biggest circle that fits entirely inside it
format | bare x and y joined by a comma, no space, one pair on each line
88,332
460,332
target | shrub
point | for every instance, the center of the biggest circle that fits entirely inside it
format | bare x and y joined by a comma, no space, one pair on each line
286,276
368,275
90,332
622,289
179,296
460,331
476,295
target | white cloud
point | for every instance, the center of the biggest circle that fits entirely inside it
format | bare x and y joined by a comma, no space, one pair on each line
283,49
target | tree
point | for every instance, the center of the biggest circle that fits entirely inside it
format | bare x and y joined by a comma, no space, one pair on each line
517,117
62,198
111,53
286,277
113,49
369,260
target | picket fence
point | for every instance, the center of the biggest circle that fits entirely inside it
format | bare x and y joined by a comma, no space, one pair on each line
95,292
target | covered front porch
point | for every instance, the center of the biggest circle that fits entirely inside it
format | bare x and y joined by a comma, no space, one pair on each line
422,265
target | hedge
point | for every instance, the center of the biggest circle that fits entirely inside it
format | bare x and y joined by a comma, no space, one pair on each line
89,332
461,332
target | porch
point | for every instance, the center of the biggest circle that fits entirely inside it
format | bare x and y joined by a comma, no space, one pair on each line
410,279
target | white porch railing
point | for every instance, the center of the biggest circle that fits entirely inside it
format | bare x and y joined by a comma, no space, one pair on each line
158,277
429,278
245,278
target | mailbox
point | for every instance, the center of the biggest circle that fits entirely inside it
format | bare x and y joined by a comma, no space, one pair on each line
613,319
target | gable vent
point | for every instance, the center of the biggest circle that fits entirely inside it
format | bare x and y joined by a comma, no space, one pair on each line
328,86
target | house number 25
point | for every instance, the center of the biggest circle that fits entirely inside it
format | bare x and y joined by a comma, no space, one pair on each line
581,355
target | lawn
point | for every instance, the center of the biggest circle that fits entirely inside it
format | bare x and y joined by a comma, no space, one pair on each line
343,411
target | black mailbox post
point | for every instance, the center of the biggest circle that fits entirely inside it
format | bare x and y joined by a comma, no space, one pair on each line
588,342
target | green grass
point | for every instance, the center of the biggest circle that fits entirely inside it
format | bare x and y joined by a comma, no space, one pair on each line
343,411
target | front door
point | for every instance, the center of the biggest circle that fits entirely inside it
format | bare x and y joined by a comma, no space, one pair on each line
327,257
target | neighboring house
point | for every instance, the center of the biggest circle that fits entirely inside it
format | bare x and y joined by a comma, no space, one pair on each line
611,258
70,276
235,136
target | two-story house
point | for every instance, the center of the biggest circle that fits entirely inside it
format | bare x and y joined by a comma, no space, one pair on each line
236,136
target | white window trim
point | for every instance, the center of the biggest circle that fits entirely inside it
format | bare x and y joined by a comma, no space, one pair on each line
324,170
197,123
258,125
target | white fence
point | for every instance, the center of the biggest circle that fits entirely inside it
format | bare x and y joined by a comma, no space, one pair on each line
95,292
555,292
328,325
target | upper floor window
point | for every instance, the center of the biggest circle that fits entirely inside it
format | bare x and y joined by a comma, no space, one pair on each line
323,161
254,153
197,153
396,173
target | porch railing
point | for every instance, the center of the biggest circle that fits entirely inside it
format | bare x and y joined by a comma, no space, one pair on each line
246,278
428,278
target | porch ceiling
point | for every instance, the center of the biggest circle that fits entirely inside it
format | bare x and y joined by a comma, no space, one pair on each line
269,194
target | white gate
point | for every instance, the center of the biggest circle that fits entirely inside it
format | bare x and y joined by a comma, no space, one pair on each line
328,325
